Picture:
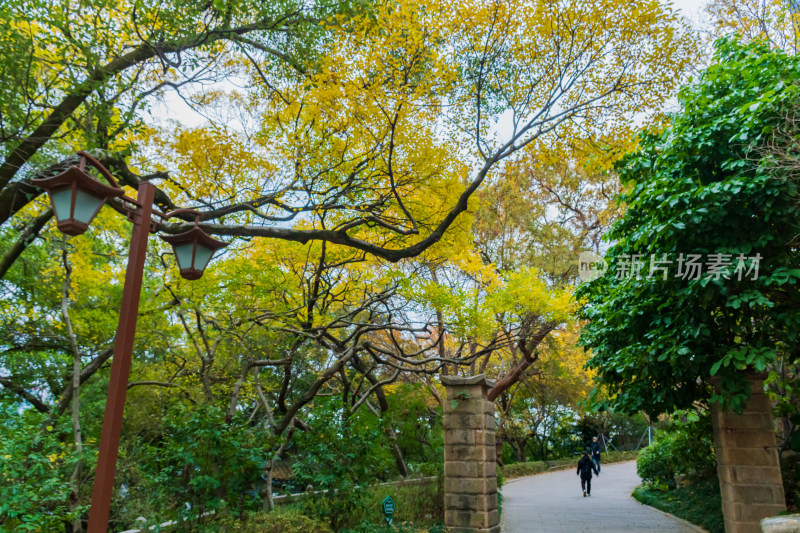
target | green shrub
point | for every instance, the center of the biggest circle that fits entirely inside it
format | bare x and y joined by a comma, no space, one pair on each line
396,527
422,503
687,452
416,505
419,507
340,457
561,464
537,467
700,503
198,463
34,473
656,464
501,478
619,457
287,520
523,469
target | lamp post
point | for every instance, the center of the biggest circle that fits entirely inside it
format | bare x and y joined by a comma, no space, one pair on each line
76,198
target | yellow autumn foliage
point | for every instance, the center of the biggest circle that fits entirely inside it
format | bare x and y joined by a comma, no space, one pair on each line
771,20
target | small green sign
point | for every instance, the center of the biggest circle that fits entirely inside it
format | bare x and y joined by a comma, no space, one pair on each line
388,508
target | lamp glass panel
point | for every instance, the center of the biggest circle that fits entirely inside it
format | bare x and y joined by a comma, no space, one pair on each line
202,257
184,254
86,206
61,202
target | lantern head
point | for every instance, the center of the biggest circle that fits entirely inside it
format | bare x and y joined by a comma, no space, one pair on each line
76,197
193,250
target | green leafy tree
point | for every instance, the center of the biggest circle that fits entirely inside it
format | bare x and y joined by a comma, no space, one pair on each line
35,466
200,462
340,459
696,189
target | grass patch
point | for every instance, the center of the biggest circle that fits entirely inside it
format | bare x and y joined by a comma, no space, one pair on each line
281,520
700,504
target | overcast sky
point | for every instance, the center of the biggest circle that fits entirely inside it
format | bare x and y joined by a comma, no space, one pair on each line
692,8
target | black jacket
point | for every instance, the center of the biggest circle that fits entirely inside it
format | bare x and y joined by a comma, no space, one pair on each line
585,467
596,449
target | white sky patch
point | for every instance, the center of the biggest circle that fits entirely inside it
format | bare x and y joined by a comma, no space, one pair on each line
693,9
173,107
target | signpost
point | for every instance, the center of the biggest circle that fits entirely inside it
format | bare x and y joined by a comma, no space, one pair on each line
388,508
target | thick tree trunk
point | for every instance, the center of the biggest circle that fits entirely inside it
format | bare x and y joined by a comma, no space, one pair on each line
519,450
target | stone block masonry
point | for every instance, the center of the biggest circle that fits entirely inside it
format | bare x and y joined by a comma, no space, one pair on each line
747,462
470,467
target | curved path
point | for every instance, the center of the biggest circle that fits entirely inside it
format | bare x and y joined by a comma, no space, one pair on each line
553,502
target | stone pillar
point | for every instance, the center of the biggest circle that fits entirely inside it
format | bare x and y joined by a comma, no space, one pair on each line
747,462
470,467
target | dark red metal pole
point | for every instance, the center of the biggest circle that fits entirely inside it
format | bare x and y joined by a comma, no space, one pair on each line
120,367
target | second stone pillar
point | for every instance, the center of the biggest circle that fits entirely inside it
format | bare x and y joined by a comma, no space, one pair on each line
470,467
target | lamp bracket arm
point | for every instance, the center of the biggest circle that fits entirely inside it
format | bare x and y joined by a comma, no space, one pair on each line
86,156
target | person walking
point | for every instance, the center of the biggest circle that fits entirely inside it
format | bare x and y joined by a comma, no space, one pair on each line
585,467
596,448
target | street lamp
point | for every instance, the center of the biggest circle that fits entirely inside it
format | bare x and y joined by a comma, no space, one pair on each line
193,249
76,198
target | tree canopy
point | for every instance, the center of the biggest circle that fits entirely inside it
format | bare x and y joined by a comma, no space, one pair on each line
349,116
702,192
403,185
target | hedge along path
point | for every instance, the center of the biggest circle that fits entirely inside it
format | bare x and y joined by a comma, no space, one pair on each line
530,468
552,502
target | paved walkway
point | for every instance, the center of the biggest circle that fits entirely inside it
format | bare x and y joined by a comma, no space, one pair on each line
553,502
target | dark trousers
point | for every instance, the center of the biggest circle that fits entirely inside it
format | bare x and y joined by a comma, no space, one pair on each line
596,461
586,484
